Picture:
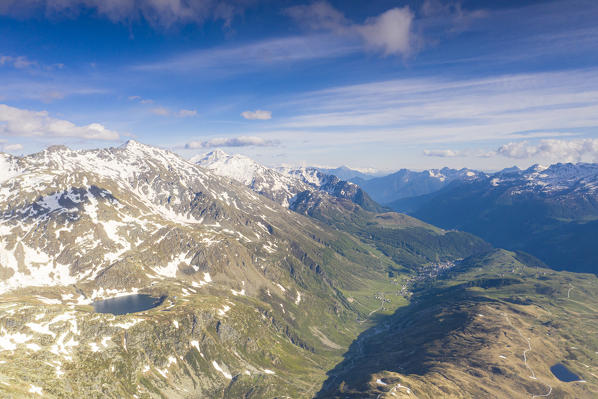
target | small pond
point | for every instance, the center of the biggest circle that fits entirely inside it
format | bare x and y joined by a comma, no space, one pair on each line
563,373
127,304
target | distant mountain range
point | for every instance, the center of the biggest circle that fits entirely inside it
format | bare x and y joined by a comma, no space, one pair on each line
407,183
346,173
551,212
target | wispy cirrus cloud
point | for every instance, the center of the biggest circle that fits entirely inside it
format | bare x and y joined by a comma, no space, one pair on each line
253,56
504,107
24,62
163,111
160,14
184,113
18,62
181,113
241,141
26,123
258,114
141,100
16,89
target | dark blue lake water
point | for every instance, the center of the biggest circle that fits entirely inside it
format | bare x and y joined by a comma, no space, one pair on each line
127,304
563,373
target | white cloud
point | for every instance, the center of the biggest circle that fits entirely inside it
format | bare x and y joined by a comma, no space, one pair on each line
12,147
163,111
390,32
257,114
442,153
4,147
160,111
183,113
24,123
554,150
241,141
469,152
140,100
574,150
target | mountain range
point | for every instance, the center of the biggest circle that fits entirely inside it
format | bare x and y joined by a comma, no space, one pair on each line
283,184
272,283
407,183
550,212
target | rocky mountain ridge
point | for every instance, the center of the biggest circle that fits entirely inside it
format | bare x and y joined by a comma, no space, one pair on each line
282,184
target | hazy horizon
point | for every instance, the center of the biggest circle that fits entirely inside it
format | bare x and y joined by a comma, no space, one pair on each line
232,151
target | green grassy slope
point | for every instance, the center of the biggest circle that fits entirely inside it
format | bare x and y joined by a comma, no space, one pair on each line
465,334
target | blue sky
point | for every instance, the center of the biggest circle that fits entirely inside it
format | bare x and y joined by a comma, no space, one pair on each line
380,84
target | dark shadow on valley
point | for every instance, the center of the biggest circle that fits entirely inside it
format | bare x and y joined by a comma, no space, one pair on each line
412,340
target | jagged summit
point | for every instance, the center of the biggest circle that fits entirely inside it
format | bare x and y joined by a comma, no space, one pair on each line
560,177
282,184
266,181
133,145
214,155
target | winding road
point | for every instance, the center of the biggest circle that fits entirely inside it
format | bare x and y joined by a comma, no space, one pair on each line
529,348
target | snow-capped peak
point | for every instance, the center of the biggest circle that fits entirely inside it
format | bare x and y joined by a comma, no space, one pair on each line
133,144
8,167
280,184
209,157
237,167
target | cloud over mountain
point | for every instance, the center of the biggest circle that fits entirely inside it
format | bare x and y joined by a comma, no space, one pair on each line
554,149
241,141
